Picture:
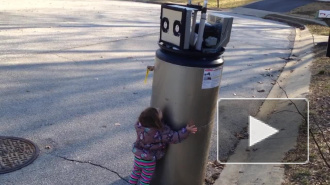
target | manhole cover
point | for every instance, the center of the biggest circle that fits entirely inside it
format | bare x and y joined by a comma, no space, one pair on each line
16,153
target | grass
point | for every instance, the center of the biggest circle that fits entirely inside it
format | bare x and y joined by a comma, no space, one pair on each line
227,4
302,174
318,29
310,11
224,4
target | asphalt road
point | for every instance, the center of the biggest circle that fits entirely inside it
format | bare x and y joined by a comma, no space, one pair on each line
71,70
281,6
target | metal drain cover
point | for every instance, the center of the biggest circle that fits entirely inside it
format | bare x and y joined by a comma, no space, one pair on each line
16,153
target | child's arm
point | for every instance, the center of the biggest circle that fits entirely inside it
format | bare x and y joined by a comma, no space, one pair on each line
174,137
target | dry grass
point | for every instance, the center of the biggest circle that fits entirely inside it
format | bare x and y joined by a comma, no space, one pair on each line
224,4
315,172
318,29
227,4
310,11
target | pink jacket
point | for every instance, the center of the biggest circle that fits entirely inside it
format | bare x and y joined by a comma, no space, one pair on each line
151,143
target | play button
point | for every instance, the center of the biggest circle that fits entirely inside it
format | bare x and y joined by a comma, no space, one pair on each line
262,131
259,131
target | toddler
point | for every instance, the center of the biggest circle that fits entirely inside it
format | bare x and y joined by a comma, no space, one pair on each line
152,140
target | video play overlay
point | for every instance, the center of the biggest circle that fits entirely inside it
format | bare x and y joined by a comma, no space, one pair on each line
263,131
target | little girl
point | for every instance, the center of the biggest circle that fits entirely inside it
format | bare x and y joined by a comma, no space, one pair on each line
152,140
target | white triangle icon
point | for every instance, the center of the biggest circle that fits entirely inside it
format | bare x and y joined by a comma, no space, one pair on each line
259,131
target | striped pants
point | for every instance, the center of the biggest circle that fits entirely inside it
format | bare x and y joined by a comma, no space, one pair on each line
142,171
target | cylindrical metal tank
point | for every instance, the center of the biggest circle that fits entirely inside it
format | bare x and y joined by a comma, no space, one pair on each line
185,89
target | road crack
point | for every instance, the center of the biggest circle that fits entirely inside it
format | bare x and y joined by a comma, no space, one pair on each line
93,164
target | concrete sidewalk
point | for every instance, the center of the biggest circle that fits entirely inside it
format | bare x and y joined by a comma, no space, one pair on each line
71,70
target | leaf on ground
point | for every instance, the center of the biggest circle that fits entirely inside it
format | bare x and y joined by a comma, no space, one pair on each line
47,147
215,175
239,136
209,180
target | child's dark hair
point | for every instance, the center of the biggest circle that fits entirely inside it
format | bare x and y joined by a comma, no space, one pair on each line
150,118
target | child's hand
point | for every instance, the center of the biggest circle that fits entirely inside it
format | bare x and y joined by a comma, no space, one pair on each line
191,128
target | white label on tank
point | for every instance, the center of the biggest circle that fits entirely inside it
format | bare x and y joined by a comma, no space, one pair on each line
211,78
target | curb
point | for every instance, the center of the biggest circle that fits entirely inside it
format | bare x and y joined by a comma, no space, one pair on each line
297,22
292,23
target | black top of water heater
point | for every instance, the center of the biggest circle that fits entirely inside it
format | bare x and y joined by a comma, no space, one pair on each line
190,59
